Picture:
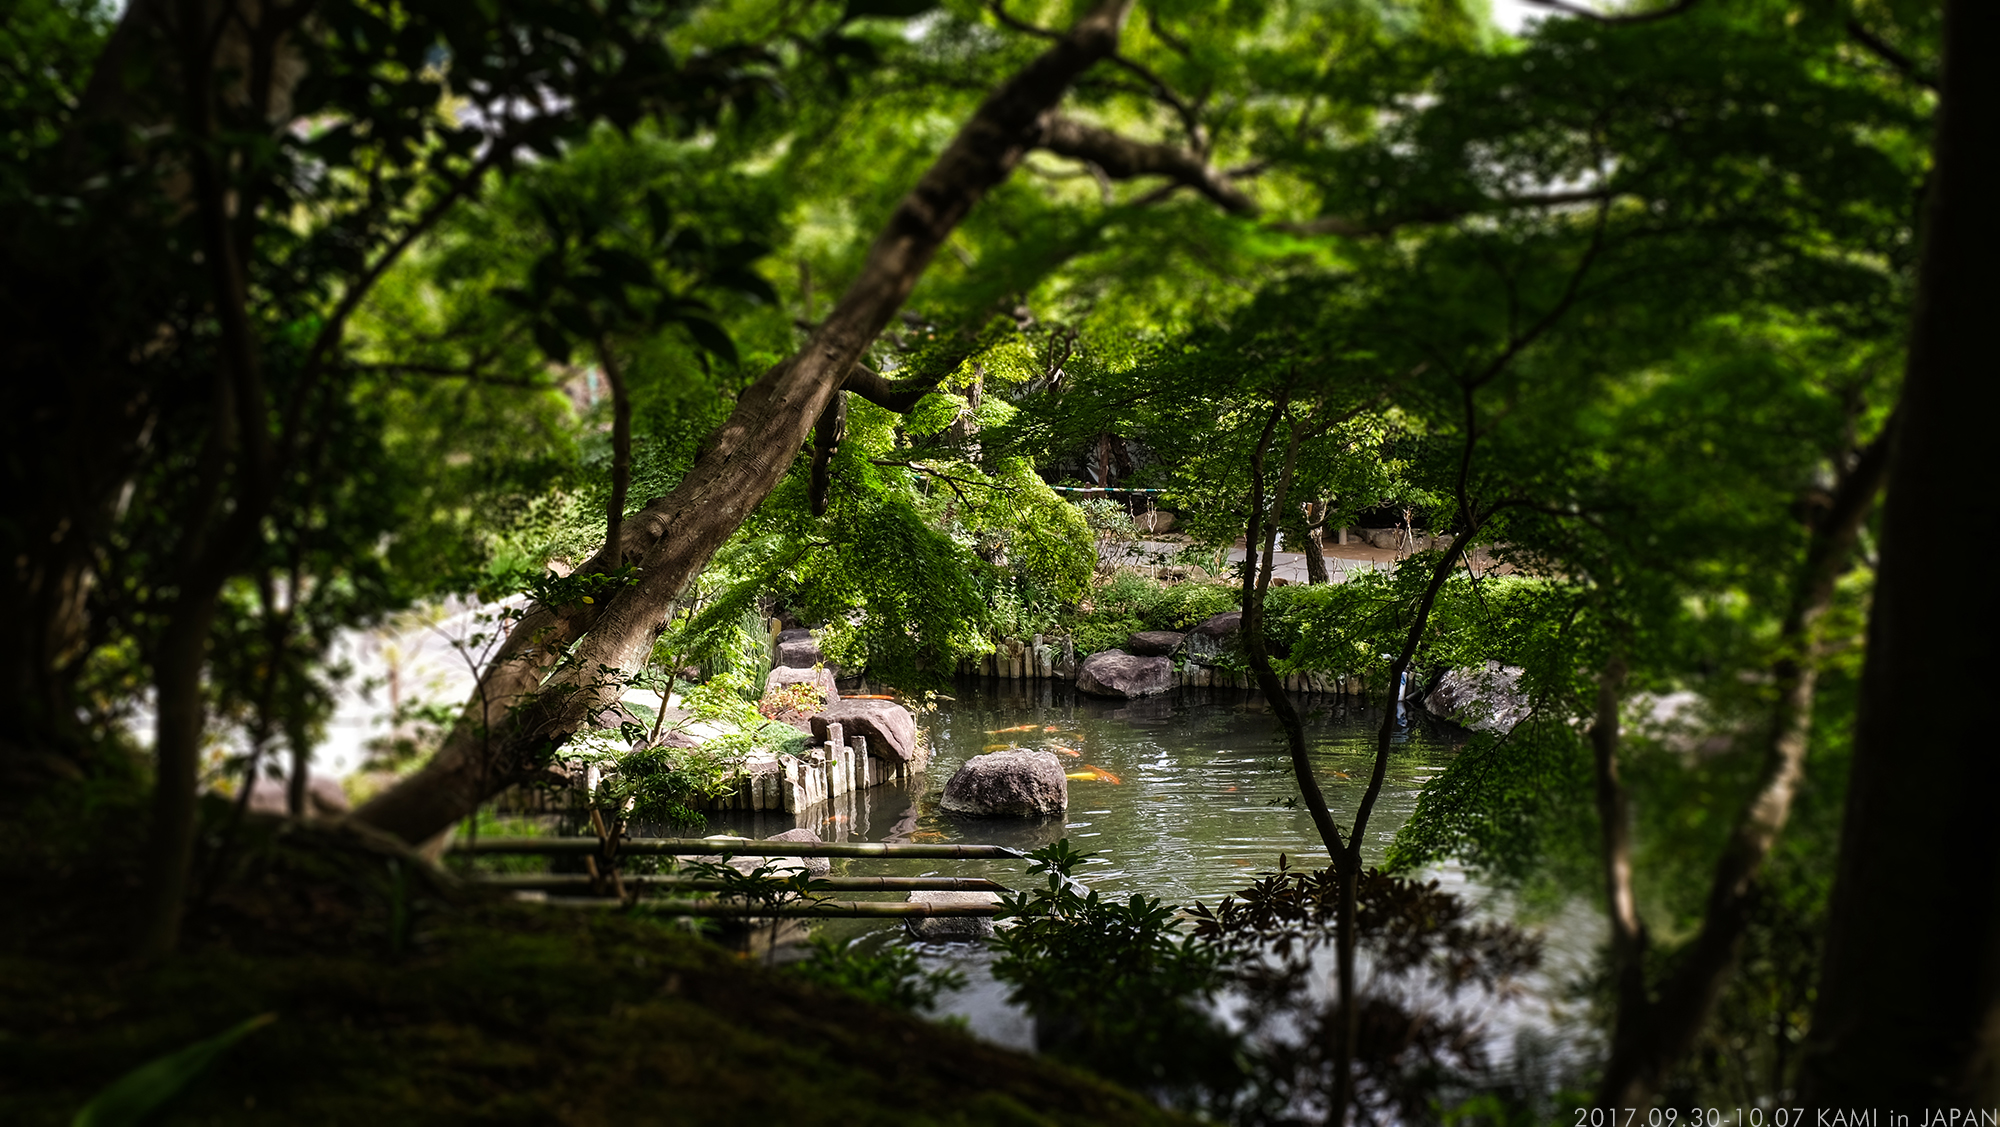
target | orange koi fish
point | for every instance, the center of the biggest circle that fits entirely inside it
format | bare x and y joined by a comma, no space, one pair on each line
1015,728
1061,750
862,696
1097,773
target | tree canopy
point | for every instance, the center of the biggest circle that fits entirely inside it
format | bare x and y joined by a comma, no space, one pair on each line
658,312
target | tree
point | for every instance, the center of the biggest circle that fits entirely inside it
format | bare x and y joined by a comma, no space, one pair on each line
1906,1012
186,244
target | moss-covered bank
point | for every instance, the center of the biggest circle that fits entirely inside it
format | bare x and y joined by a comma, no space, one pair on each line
440,1005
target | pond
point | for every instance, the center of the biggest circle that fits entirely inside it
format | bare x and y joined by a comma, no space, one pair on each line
1192,796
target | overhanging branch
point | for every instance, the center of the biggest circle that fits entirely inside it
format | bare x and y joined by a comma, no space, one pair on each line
1123,158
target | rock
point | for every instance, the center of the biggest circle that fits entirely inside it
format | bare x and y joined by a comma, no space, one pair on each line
776,705
891,730
1682,722
799,653
677,737
1385,537
617,716
787,675
1117,674
1216,638
817,866
1485,700
1154,643
1008,784
324,797
946,929
795,634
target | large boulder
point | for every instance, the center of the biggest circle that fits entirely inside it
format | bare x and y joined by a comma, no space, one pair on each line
779,705
1154,643
1216,638
788,675
816,866
1008,784
800,652
891,730
1487,699
1123,676
1385,537
946,929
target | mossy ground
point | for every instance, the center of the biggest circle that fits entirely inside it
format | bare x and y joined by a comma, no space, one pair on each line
440,1005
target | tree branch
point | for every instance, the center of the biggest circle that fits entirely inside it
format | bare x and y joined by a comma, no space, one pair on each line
827,433
886,393
1122,158
1887,52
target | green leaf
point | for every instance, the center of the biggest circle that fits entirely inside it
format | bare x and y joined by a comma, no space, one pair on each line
748,282
136,1095
710,336
552,341
622,265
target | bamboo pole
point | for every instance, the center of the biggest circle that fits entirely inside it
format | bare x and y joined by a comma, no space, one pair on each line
732,846
564,882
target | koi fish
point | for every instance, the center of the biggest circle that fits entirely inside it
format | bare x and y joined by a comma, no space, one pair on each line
996,747
1343,775
1015,728
1052,728
1106,775
1061,750
861,696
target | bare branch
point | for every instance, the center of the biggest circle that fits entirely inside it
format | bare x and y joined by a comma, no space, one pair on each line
883,392
1122,158
1161,33
1887,52
999,10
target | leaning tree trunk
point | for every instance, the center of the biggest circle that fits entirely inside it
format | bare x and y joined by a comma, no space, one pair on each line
1908,1015
520,713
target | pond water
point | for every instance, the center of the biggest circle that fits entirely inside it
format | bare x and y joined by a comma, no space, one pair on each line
1192,796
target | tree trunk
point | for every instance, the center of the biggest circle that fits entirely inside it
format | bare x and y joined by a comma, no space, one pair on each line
1908,1015
514,721
1652,1036
178,724
1310,542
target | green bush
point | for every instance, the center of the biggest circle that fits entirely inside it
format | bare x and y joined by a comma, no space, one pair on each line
1186,604
890,977
1130,602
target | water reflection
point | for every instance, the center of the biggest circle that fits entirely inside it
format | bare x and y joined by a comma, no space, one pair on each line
1204,800
1203,795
